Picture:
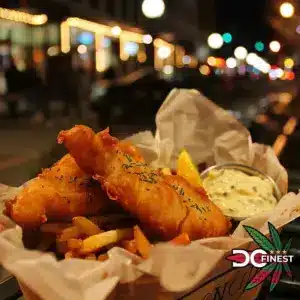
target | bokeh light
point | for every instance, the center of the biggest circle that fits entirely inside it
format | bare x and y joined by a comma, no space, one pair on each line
240,52
81,49
231,62
227,37
259,46
275,46
212,61
168,70
215,41
147,39
204,70
298,29
186,59
116,30
163,52
287,10
153,8
251,58
289,63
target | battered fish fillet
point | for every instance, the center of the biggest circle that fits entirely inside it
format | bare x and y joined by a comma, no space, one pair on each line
58,193
166,205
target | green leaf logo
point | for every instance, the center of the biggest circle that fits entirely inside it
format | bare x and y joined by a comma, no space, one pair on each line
261,240
275,237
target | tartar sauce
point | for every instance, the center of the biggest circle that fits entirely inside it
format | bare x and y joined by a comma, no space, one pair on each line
238,194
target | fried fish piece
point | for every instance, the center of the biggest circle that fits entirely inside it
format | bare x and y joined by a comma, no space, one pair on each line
58,193
166,205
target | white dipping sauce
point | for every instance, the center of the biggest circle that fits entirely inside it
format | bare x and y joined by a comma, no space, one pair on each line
238,194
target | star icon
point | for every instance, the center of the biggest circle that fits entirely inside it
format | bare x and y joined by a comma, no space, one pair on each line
271,252
284,252
278,252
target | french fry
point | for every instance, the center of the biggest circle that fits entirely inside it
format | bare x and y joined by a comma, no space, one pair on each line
102,257
74,244
130,246
91,256
181,239
96,242
142,244
53,228
85,226
69,233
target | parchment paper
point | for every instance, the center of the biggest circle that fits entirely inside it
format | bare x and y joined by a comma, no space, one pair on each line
186,119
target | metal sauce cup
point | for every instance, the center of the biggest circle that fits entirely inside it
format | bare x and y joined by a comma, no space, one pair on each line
247,170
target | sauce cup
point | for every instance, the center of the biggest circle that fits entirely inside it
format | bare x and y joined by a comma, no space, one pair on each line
247,170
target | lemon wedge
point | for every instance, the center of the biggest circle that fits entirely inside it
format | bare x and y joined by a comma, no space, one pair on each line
187,169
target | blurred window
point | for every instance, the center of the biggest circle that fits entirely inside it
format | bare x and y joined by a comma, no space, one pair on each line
94,3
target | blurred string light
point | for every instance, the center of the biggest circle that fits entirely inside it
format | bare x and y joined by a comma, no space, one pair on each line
163,52
274,46
22,17
259,46
81,49
96,28
116,31
231,63
204,70
240,53
153,8
227,37
147,39
215,41
287,10
100,53
289,63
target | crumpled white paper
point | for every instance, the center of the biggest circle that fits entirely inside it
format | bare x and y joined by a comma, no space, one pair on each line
185,120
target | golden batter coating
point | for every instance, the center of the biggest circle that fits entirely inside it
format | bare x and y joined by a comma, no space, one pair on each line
166,205
58,193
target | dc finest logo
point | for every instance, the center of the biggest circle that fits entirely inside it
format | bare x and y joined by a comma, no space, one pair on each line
271,259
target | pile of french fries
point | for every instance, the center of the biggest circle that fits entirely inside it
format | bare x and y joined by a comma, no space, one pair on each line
85,239
88,238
